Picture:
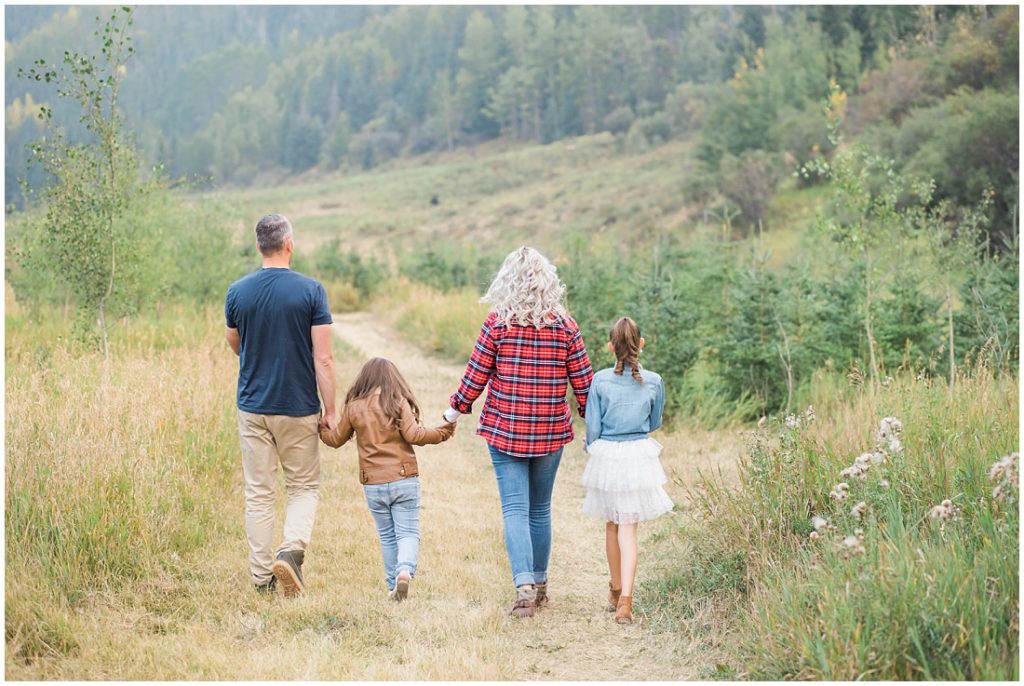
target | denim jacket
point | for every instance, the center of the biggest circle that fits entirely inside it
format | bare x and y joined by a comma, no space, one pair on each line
620,409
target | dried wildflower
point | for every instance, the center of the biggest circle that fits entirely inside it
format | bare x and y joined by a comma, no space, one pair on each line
818,522
815,535
1004,466
762,421
944,511
895,447
809,415
859,533
863,460
859,509
839,492
889,426
792,422
877,457
854,545
884,483
887,381
853,471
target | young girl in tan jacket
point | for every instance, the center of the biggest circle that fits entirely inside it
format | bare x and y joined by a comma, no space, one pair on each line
382,412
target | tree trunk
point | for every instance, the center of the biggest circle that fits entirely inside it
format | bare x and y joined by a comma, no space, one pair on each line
952,355
867,315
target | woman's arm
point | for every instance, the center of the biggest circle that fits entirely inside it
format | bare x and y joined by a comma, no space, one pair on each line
581,374
417,434
340,434
478,370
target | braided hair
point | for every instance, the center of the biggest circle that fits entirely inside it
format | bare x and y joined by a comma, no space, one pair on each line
625,339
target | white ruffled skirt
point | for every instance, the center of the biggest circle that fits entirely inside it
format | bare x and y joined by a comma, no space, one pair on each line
625,481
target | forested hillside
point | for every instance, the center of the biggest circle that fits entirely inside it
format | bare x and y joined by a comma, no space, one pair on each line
238,93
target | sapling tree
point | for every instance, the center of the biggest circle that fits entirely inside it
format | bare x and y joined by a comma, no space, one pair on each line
954,240
93,182
872,210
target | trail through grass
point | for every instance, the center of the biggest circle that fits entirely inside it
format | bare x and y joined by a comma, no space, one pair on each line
199,618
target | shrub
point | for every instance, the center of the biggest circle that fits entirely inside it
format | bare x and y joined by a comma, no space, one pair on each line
749,182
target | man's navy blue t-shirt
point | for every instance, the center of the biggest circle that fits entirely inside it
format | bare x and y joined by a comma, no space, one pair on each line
273,310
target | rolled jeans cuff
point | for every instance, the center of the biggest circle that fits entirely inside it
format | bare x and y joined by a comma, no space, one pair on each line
523,579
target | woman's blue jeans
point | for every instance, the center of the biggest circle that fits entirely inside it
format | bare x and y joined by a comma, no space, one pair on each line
525,485
395,507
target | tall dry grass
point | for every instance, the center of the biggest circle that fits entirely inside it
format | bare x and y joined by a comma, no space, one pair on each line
443,323
114,470
887,593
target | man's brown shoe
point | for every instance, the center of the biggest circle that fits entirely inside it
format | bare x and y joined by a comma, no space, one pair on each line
624,610
288,570
613,597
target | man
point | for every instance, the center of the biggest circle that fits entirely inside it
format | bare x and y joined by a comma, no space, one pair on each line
279,325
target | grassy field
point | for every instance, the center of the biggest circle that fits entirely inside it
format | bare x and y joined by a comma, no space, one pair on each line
126,555
498,197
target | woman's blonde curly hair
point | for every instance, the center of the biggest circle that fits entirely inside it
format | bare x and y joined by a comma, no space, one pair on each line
526,290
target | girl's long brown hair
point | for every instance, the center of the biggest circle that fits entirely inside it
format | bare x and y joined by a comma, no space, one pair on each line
395,393
625,338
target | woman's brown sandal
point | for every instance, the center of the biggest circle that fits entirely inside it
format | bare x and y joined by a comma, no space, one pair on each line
613,597
624,610
526,600
542,595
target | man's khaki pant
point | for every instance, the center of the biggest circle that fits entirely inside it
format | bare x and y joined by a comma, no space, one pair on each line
294,442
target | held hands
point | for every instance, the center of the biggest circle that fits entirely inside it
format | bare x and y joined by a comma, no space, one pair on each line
451,416
328,421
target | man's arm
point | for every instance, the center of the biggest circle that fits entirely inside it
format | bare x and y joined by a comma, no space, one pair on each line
323,361
234,340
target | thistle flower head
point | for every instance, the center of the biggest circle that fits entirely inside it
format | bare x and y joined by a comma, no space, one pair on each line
889,426
859,509
853,471
944,511
818,522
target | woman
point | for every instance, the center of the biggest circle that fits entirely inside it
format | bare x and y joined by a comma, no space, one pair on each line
529,349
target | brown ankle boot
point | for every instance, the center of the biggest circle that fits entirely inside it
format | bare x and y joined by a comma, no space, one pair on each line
542,595
624,610
613,597
526,599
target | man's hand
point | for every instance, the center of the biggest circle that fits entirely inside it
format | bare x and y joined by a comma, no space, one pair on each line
329,420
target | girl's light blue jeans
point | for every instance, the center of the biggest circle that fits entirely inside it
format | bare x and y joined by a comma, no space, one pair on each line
395,507
525,485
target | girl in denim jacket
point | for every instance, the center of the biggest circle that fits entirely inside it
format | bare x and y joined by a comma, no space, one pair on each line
624,478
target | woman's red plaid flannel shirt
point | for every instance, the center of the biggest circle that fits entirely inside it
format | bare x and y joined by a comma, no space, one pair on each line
526,413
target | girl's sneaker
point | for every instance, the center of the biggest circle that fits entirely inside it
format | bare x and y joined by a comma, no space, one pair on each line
401,591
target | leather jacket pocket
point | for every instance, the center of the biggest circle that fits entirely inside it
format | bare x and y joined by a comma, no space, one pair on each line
409,469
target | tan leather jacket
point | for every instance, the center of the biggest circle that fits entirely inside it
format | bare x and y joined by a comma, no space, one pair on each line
385,452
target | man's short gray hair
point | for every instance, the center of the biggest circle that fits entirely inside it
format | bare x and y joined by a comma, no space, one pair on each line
271,232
